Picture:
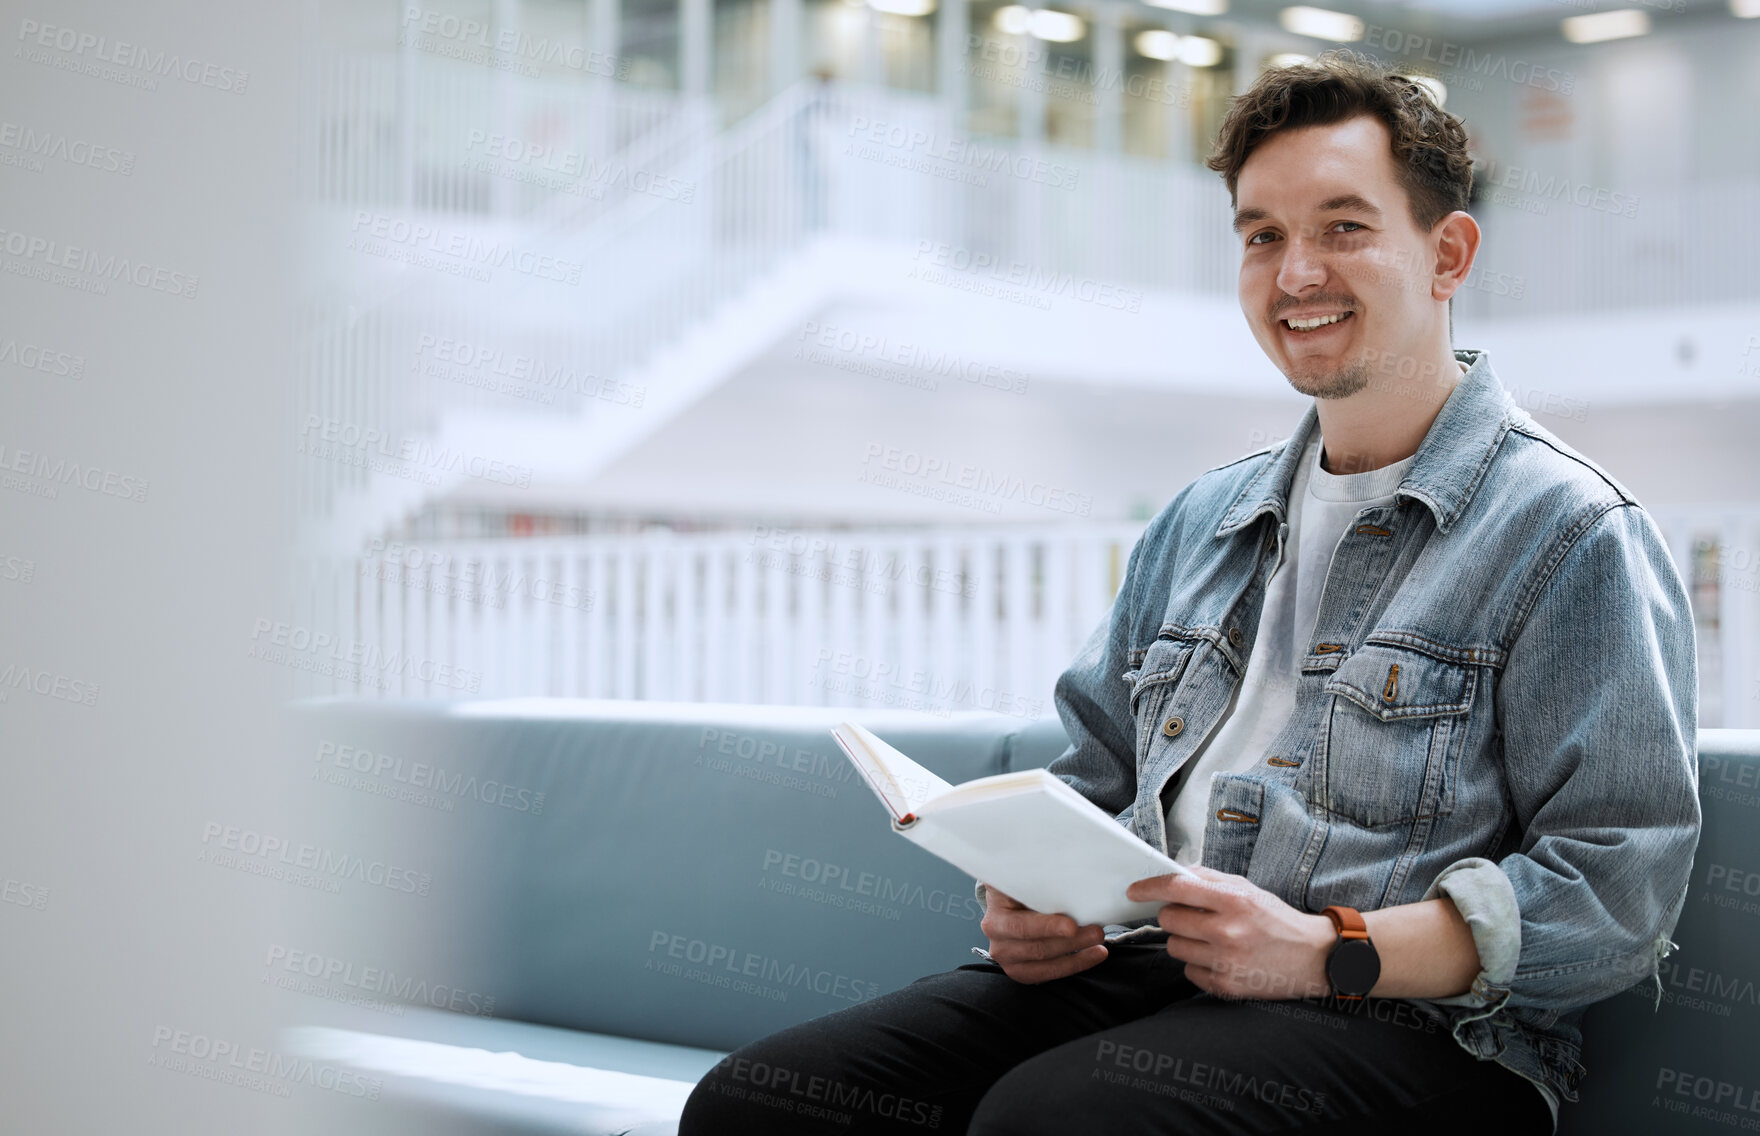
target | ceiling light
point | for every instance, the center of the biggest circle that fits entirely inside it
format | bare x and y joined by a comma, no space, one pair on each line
1199,51
1606,25
903,7
1744,9
1157,44
1058,27
1195,7
1288,59
1438,90
1319,23
1012,20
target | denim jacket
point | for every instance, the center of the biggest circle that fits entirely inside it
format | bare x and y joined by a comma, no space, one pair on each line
1498,704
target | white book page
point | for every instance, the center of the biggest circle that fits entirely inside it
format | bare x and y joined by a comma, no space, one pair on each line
1050,848
900,783
985,789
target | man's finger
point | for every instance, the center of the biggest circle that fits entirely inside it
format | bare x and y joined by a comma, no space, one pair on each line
1057,931
1192,952
1032,948
1194,923
1192,891
1019,923
1150,887
1034,972
1024,923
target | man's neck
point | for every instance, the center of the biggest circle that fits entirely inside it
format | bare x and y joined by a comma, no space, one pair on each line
1386,421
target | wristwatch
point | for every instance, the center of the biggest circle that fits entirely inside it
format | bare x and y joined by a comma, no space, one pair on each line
1353,967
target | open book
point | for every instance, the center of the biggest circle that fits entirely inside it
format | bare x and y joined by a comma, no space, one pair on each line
1028,834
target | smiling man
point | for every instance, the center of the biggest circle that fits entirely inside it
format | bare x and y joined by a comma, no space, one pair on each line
1412,691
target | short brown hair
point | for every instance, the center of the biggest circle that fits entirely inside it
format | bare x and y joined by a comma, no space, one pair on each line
1429,144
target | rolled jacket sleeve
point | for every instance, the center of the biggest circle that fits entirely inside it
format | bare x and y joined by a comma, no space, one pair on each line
1487,901
1597,707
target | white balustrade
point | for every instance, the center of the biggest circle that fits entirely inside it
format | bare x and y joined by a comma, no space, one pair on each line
936,619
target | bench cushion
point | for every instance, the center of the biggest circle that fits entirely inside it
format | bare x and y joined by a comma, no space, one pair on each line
699,876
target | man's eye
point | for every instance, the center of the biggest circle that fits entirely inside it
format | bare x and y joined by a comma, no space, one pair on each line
1354,226
1254,239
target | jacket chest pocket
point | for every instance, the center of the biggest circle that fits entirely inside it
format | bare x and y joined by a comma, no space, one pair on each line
1392,737
1151,684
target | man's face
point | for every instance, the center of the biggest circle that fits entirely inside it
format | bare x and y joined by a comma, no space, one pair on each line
1326,234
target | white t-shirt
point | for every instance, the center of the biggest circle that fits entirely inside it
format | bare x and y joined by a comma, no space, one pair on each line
1322,506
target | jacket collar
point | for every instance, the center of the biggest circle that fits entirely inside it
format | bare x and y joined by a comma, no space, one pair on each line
1450,463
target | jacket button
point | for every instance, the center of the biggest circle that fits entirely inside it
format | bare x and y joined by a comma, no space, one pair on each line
1234,636
1173,726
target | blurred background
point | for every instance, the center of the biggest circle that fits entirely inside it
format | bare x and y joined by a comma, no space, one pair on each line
835,351
371,370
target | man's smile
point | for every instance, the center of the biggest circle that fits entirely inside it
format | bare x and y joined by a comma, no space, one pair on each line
1309,323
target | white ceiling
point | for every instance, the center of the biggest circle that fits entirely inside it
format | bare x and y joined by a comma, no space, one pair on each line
1494,9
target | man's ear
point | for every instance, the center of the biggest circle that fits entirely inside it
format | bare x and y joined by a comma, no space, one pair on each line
1457,245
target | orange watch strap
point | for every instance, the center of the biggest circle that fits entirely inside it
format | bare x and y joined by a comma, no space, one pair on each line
1347,921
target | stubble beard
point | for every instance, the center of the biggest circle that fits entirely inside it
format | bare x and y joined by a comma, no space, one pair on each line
1340,383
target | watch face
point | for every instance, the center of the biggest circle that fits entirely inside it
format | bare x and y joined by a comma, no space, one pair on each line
1354,967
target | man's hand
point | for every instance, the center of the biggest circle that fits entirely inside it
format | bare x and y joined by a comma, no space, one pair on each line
1237,939
1033,947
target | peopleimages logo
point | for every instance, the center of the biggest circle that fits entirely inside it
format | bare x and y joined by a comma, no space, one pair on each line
35,357
1698,988
301,648
876,570
997,57
479,364
908,363
23,894
809,1094
758,755
507,46
846,883
419,775
418,242
37,473
252,1067
1489,65
882,681
44,254
505,155
938,262
17,569
441,571
19,676
1726,780
88,49
351,443
1555,188
23,145
330,973
232,846
1711,1091
723,962
988,487
885,138
1750,366
1165,1072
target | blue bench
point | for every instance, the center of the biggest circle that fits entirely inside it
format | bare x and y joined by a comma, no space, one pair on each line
620,893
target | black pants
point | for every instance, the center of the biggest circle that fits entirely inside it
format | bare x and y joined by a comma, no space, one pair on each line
1127,1046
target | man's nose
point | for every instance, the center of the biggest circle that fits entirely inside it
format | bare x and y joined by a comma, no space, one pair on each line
1303,267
